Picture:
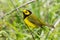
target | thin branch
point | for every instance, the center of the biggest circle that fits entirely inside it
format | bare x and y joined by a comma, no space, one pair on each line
14,6
55,24
52,29
17,8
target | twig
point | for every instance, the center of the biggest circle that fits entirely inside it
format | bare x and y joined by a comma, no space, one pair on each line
14,5
17,8
52,29
55,24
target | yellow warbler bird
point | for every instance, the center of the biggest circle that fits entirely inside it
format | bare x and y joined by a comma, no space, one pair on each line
31,20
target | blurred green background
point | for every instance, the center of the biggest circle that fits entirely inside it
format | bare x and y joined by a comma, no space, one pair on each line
12,26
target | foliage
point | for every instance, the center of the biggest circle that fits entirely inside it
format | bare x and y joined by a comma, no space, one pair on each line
12,26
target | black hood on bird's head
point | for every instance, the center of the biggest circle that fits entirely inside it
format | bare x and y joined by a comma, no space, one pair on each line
27,15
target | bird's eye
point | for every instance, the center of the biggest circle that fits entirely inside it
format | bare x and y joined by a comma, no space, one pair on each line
26,12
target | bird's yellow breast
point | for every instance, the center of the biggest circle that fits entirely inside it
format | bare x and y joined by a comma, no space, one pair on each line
29,24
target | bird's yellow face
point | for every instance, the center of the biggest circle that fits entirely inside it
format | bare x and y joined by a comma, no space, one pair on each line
26,12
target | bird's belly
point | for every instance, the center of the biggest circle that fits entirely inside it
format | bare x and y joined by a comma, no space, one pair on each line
29,24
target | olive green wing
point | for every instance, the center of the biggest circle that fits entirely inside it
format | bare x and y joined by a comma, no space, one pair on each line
32,18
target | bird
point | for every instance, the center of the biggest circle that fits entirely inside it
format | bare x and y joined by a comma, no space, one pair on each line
32,20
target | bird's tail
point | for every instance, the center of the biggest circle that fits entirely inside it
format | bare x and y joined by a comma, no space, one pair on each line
52,26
